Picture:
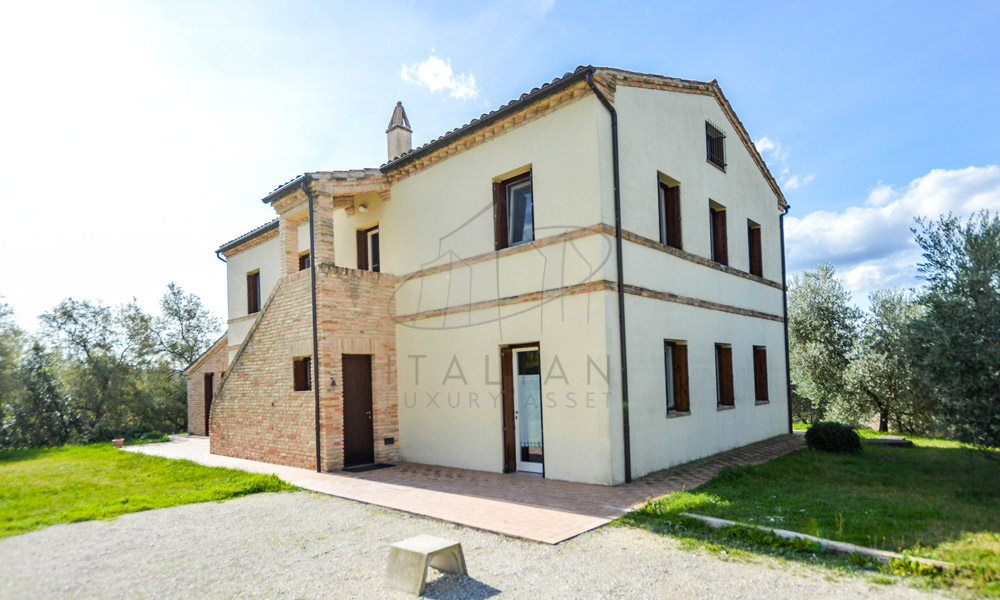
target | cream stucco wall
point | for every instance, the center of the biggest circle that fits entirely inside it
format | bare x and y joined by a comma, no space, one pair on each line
450,413
265,257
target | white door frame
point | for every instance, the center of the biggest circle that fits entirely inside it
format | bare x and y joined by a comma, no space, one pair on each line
525,466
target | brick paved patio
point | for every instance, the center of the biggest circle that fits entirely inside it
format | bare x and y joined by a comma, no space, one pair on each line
517,504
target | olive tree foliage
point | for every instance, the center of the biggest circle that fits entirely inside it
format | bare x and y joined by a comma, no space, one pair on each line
821,334
956,344
10,351
108,369
883,383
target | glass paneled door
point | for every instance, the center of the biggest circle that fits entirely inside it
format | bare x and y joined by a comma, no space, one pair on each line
528,409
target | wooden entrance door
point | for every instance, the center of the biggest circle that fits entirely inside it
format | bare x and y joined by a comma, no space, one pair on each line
359,435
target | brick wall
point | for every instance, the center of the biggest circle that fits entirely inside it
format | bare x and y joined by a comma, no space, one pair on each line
257,415
214,363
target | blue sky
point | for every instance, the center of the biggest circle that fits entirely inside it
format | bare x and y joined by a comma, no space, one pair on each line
135,137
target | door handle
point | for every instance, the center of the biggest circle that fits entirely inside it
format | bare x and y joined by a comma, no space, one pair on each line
369,413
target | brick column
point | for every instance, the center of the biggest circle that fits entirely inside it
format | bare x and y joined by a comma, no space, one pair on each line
288,235
323,229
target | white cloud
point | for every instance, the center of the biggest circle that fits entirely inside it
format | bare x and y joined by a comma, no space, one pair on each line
773,149
436,75
872,244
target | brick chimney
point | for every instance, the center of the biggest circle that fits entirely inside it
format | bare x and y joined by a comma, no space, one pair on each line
398,132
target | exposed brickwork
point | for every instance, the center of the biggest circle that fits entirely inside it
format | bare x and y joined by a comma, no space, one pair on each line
258,415
214,362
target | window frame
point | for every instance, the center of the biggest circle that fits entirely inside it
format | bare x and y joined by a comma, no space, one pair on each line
675,376
725,395
302,374
670,232
304,260
365,249
501,209
760,382
253,292
715,145
718,234
754,249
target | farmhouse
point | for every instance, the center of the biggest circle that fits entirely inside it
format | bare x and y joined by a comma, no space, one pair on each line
586,283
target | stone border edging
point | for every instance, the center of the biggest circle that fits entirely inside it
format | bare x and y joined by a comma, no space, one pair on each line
883,556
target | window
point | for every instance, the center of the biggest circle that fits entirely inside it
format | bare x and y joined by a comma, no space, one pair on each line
676,370
253,292
715,142
760,373
209,388
304,261
717,227
724,375
670,215
302,373
513,211
753,240
368,250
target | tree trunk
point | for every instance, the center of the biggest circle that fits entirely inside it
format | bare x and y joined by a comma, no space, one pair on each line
883,420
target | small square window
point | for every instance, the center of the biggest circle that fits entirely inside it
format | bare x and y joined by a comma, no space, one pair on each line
715,142
304,261
513,211
302,373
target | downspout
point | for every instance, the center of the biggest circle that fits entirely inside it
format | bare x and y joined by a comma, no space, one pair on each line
620,272
312,288
218,255
784,304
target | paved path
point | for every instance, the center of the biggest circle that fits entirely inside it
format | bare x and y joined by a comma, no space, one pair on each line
516,504
312,546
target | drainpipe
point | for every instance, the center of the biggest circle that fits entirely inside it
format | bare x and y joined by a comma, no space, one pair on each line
312,288
784,303
621,278
218,255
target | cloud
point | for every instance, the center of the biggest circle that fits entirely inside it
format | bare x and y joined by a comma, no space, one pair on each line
436,75
773,149
872,244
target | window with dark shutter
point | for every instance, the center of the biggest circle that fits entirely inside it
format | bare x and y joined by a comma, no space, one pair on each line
670,215
753,240
724,375
302,373
717,225
760,373
513,212
304,261
253,292
362,238
715,143
675,369
373,251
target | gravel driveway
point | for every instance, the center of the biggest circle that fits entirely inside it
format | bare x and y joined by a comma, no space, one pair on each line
305,545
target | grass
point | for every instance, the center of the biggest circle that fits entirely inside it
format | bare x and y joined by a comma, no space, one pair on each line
42,487
936,500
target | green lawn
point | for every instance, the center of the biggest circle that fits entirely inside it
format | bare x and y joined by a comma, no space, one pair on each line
78,483
935,500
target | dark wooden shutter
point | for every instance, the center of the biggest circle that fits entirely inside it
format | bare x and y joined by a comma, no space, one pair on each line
756,266
304,262
760,373
253,292
507,390
362,250
672,199
724,364
681,378
720,251
499,216
300,372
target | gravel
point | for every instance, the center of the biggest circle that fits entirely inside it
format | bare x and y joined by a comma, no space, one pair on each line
306,545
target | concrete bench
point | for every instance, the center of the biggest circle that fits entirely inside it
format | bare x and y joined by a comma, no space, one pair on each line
409,559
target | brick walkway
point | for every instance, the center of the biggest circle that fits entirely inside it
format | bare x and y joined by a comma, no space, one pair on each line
517,504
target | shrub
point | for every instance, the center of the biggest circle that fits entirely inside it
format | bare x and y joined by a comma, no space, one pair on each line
833,437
